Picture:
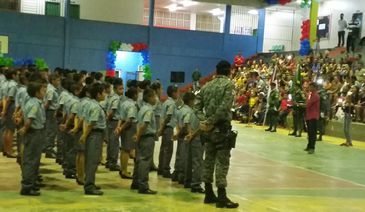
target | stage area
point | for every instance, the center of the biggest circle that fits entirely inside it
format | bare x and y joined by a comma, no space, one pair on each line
269,172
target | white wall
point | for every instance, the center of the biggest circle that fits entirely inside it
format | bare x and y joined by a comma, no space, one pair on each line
334,8
282,24
279,26
119,11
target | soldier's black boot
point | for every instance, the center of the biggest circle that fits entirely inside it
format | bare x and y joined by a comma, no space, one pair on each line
210,197
223,201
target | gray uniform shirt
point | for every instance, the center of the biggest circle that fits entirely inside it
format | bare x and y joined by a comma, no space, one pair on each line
34,110
52,96
146,115
96,115
169,108
128,110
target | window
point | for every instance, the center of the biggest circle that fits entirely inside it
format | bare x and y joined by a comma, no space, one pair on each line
12,5
177,77
187,14
75,11
244,21
53,9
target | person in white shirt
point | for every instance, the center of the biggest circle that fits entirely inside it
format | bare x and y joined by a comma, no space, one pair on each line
342,25
354,33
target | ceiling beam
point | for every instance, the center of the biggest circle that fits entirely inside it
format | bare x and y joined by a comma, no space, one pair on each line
248,3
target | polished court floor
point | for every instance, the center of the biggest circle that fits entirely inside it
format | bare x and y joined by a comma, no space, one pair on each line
269,172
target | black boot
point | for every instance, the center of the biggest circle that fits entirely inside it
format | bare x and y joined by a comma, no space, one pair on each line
210,197
223,201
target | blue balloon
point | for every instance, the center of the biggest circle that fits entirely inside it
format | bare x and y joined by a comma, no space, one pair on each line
272,1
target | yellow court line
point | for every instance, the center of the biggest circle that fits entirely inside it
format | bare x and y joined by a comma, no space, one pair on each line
328,139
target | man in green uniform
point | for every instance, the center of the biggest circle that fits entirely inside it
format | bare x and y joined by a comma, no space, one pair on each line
298,111
213,108
273,110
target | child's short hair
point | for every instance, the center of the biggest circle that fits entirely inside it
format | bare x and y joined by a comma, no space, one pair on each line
65,83
54,77
132,83
23,78
77,77
147,93
9,74
34,87
89,80
155,86
144,84
171,90
96,89
131,92
188,97
98,76
117,82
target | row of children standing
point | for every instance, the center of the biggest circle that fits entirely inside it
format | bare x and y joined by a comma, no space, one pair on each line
74,114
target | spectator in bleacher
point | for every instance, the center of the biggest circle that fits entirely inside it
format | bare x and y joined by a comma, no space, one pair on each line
360,107
348,109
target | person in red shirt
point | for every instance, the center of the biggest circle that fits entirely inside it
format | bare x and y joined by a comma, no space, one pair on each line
239,60
312,116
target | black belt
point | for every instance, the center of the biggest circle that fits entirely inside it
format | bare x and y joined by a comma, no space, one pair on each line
98,130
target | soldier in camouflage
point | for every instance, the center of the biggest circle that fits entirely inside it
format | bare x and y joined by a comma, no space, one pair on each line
298,111
273,110
213,108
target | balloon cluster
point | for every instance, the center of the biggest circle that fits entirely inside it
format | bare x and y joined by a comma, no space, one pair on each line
305,3
10,62
6,61
40,64
136,47
24,62
282,2
304,40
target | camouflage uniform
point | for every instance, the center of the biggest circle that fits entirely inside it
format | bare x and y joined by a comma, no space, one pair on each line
213,105
273,113
298,112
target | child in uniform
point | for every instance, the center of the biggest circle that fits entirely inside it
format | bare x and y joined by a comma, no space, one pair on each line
33,133
145,138
127,128
92,137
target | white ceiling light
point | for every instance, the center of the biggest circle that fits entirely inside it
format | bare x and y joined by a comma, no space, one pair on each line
174,7
253,12
188,3
217,12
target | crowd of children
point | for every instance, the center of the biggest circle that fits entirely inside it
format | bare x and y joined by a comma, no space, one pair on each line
68,115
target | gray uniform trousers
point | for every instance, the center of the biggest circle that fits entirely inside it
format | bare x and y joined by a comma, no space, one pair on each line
93,149
179,165
113,144
194,162
60,138
70,153
216,161
33,146
51,130
166,150
144,153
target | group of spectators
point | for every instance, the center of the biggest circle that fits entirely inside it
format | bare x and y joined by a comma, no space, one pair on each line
336,78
